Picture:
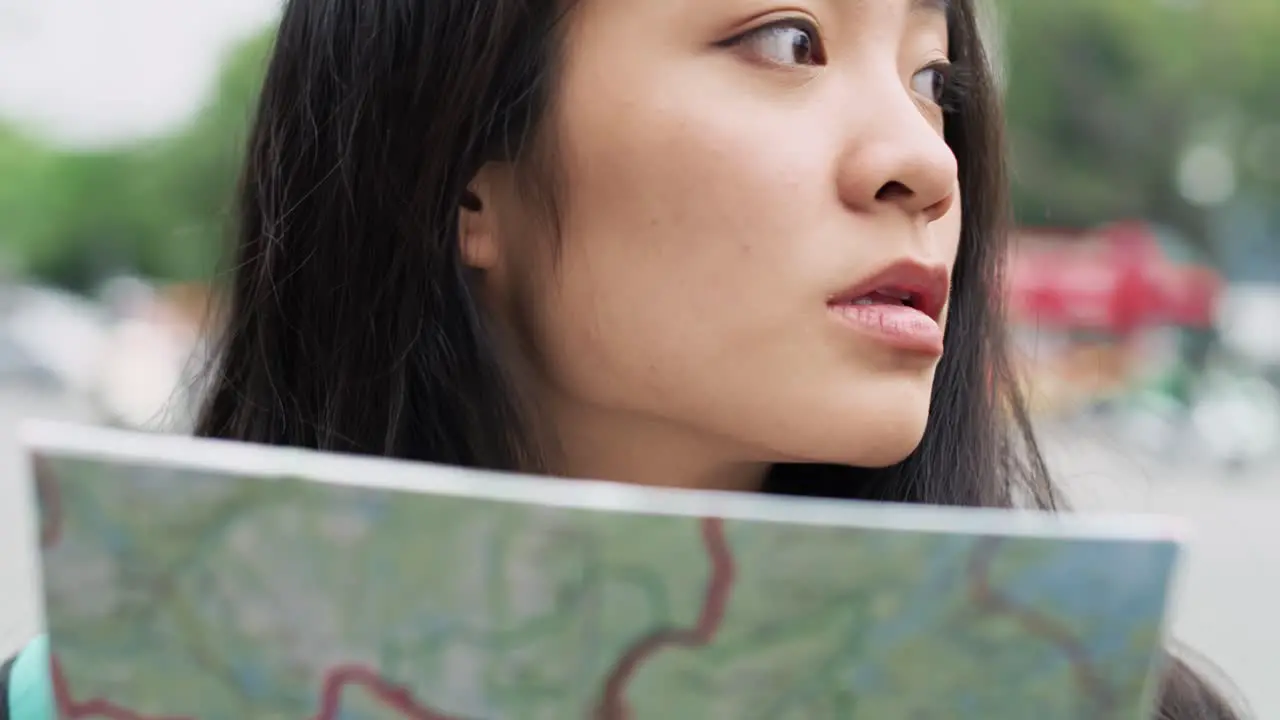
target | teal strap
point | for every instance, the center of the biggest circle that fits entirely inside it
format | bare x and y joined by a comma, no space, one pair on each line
30,690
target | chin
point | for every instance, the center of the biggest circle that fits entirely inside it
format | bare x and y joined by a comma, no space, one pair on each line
871,434
890,452
879,449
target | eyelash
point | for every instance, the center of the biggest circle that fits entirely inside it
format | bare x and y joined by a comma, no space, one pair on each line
956,78
957,83
817,47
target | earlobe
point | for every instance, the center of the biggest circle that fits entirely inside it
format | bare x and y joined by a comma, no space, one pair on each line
477,230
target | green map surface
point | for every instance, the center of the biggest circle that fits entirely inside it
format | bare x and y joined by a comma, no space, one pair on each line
176,594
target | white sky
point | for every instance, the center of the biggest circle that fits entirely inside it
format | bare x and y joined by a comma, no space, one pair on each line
91,72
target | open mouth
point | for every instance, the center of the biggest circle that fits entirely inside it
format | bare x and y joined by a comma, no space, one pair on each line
902,305
926,296
890,296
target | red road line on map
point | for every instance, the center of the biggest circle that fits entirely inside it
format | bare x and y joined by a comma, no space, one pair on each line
50,497
612,704
71,709
394,697
989,599
613,701
397,698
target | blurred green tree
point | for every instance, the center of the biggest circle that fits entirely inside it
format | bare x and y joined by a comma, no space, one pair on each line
191,177
64,216
73,217
25,211
1106,98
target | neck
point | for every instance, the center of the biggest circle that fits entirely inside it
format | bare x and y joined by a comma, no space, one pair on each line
588,442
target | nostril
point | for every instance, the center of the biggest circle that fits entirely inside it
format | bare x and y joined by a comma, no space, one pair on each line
901,193
894,191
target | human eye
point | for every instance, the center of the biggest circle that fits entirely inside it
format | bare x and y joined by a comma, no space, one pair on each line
941,83
789,42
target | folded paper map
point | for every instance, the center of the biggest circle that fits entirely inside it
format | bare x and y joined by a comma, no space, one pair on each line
216,581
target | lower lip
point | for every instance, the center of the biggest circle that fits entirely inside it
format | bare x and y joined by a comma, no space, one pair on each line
897,326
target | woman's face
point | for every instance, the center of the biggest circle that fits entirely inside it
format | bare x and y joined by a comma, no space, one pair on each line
758,220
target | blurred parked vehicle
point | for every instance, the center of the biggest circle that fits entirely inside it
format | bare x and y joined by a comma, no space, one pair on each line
1116,280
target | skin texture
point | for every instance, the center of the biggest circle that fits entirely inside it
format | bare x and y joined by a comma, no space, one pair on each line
676,329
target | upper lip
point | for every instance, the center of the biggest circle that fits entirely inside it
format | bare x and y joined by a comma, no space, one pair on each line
925,284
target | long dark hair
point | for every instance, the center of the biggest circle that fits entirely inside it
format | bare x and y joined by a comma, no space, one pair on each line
350,325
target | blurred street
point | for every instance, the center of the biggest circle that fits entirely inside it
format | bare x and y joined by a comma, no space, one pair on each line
1231,586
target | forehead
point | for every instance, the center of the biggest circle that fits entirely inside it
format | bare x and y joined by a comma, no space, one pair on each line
616,28
920,10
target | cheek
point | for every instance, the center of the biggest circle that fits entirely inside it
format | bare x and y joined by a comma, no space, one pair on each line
680,238
699,189
945,234
947,230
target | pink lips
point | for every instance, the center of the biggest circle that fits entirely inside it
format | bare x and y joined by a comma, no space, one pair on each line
900,306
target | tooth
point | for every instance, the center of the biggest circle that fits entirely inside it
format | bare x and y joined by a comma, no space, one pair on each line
864,301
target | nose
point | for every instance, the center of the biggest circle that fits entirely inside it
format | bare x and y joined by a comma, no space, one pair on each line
896,158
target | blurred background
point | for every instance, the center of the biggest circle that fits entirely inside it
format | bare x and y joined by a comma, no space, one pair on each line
1144,279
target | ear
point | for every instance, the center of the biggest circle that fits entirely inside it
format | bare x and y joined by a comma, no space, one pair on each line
478,224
